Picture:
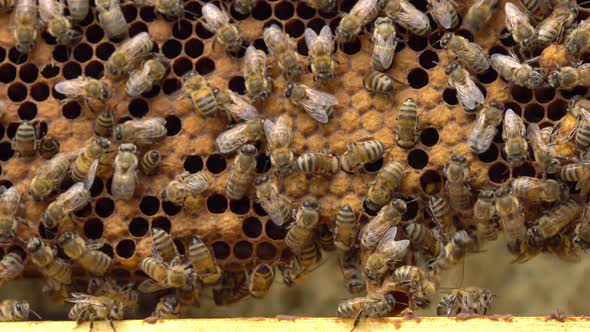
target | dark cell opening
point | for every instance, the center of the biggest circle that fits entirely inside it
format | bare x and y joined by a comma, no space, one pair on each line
284,10
527,169
514,107
18,250
71,110
428,59
6,151
237,85
97,187
180,246
221,250
84,211
162,223
263,163
27,111
71,70
120,274
412,209
274,231
171,48
217,204
130,12
252,227
89,18
557,109
236,15
266,251
351,47
47,234
147,14
94,34
171,85
272,22
302,47
40,91
258,209
521,94
205,66
434,39
368,210
259,44
497,50
241,206
93,228
417,43
490,155
334,24
42,129
465,33
316,24
431,182
7,73
173,125
202,32
417,159
17,92
374,167
2,54
304,11
193,164
83,52
498,173
450,96
488,77
28,73
138,108
243,250
152,92
194,48
544,94
262,11
484,91
61,53
534,113
104,207
125,248
418,78
577,91
149,205
137,28
216,163
182,29
182,66
170,209
429,136
48,71
11,130
192,10
294,28
2,130
49,39
94,69
506,38
104,51
16,57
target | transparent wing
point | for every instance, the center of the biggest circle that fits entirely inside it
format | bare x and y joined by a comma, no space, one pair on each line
134,46
10,198
240,107
318,103
514,17
232,138
71,88
150,286
310,38
512,125
535,138
375,231
469,93
385,50
504,64
268,130
438,9
89,180
75,197
272,206
526,184
392,248
363,9
481,136
50,9
196,184
214,16
254,62
86,299
412,16
319,45
280,135
149,128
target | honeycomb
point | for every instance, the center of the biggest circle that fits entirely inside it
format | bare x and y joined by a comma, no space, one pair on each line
239,232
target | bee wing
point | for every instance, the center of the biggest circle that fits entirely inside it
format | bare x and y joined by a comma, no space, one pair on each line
363,9
240,107
50,9
512,125
514,17
526,184
317,104
438,9
269,129
584,115
272,207
535,138
385,49
412,16
481,136
133,47
377,229
504,63
279,134
310,37
74,199
231,139
86,299
73,87
149,128
469,93
391,248
89,180
253,61
195,185
150,286
214,16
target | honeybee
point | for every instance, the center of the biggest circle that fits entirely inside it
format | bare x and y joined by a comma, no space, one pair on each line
468,93
384,44
303,264
283,48
579,39
406,15
419,287
94,150
204,262
582,232
92,92
78,9
372,305
169,8
7,6
345,228
545,155
350,266
273,202
562,246
408,124
169,307
185,185
389,215
317,163
141,131
551,224
577,172
512,219
234,287
363,12
485,127
485,216
388,178
85,254
583,128
152,70
125,294
43,257
150,162
521,74
73,199
316,103
568,77
518,24
258,84
9,202
423,239
201,94
562,17
90,308
111,19
301,232
126,56
48,147
470,55
25,30
190,295
242,133
360,153
321,49
25,142
470,300
515,143
376,82
58,26
227,34
244,7
162,245
11,266
125,175
444,13
243,172
261,280
441,213
324,6
15,310
235,107
479,14
325,237
279,137
453,252
457,174
174,274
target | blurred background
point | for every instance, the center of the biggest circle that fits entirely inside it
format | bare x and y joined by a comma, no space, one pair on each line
534,288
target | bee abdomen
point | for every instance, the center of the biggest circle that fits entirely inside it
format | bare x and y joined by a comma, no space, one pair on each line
205,101
378,82
104,125
150,162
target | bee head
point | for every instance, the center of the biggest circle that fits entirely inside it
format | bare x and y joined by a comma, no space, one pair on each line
289,90
249,149
444,41
25,48
497,104
310,204
451,68
503,192
155,155
535,79
347,208
261,180
486,194
34,244
553,79
400,205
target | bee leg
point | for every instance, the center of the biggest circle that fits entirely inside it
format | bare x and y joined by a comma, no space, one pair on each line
112,325
357,320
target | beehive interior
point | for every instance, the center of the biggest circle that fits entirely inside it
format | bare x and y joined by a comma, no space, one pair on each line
239,232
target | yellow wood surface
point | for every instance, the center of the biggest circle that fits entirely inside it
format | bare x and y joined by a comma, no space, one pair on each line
520,324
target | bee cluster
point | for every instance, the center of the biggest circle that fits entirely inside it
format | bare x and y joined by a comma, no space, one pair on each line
193,146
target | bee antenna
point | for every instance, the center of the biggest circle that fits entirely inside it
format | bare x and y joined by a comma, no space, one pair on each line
35,314
192,13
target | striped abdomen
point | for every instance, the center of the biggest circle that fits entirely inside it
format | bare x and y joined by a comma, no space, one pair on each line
49,147
377,82
583,136
297,238
163,245
104,124
441,212
204,101
24,140
422,237
345,230
59,270
322,163
388,179
459,197
11,266
94,261
242,175
407,124
309,256
150,162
